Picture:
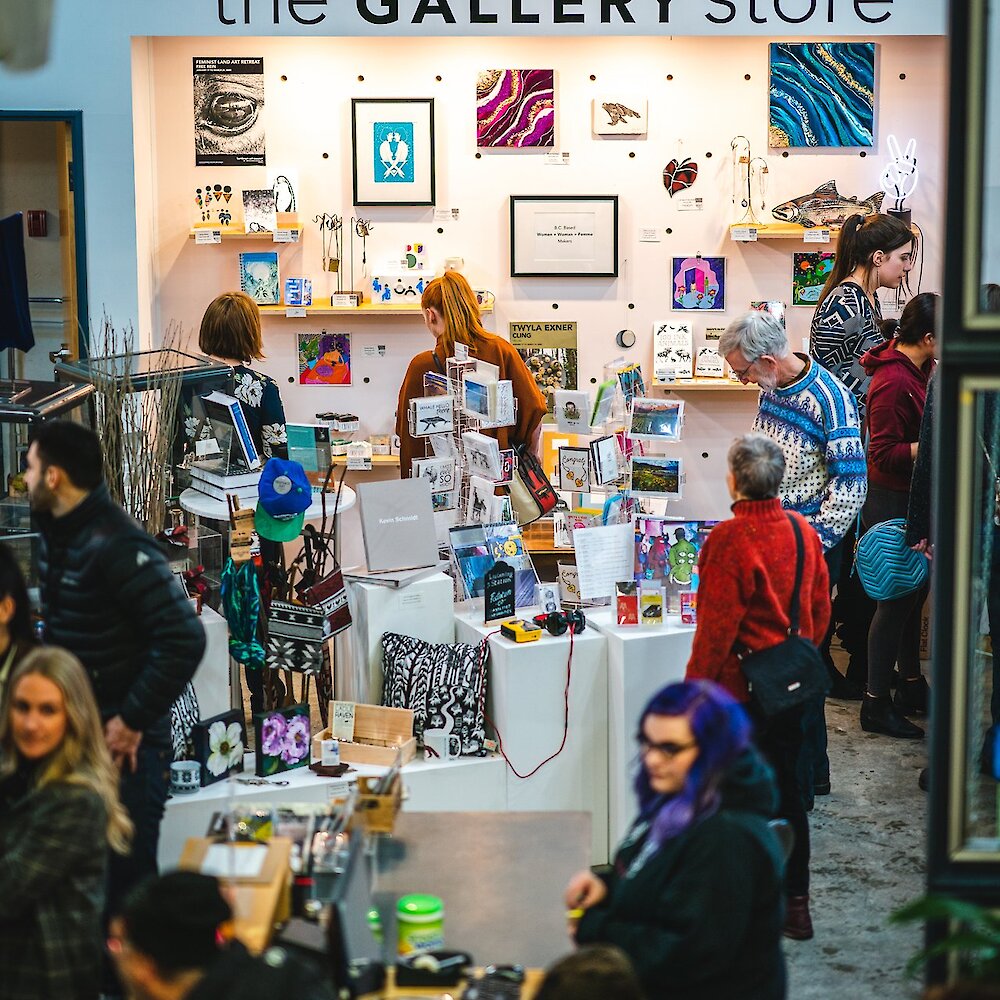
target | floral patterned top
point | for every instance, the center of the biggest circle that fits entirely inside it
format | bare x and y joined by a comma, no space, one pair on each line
264,411
262,407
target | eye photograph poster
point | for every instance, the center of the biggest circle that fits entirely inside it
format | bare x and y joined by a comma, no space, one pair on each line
228,111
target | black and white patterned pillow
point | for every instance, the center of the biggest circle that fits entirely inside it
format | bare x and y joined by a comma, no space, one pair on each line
184,715
443,683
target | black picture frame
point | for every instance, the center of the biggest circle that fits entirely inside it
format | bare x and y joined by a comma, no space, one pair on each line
422,190
525,210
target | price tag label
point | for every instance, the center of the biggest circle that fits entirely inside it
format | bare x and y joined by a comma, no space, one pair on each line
208,236
296,312
342,300
286,236
360,464
649,236
690,204
816,236
556,159
745,234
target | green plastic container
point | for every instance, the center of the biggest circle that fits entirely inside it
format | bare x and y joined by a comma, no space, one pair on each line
419,923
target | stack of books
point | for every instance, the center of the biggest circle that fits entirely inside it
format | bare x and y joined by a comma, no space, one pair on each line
217,482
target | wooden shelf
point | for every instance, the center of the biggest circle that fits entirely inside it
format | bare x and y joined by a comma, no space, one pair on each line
706,385
785,231
366,309
235,233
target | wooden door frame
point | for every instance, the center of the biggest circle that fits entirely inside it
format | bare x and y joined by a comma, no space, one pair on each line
74,119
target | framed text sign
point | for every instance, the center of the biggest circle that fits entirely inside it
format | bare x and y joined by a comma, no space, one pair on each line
564,235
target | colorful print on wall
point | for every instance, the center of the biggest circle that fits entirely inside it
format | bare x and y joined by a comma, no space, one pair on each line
283,739
324,359
392,152
515,108
228,111
699,283
809,274
822,94
771,306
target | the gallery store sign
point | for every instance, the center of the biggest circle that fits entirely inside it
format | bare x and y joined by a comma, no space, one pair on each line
553,17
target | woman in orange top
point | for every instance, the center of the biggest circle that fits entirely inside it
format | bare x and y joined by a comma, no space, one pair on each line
452,315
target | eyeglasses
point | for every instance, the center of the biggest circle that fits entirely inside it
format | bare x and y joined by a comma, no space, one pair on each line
741,375
668,750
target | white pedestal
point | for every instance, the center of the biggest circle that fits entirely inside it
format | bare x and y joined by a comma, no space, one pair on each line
525,699
424,610
212,678
469,784
641,660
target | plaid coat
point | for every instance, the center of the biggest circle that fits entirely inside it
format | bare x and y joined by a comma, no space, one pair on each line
53,852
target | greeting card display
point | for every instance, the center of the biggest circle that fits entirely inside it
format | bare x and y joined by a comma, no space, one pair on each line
432,415
653,476
482,455
607,461
219,744
656,419
574,469
572,410
283,739
504,405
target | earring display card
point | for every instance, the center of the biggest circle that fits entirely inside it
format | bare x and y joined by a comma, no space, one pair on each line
574,469
432,415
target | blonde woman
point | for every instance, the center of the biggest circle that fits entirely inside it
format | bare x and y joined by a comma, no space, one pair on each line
59,813
451,313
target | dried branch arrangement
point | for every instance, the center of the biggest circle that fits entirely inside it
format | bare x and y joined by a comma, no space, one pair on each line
136,426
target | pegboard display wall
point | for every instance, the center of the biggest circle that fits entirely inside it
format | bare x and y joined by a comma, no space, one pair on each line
701,93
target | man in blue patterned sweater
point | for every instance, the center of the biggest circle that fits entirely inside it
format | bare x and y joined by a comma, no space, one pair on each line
812,416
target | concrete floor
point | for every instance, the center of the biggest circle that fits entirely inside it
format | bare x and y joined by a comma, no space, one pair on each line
868,850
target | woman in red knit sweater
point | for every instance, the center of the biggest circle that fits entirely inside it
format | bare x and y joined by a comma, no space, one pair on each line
746,576
900,370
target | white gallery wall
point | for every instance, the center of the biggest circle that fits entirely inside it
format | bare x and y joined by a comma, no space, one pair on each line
701,93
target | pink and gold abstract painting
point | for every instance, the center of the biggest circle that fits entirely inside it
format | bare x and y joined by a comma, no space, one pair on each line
515,108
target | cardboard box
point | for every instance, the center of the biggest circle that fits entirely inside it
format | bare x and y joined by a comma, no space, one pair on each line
378,734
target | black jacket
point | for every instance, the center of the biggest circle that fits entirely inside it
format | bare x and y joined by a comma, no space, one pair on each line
702,918
109,597
237,975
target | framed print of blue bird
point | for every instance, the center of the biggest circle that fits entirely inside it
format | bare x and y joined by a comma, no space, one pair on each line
822,94
393,144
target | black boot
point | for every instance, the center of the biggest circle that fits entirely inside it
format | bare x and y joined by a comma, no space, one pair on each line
912,696
879,715
841,688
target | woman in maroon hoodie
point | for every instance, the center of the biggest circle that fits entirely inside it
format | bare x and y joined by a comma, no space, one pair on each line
900,370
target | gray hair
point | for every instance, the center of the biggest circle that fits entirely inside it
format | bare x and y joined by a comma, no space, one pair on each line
758,466
755,334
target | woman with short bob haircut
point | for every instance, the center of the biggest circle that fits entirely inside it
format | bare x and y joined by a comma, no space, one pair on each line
230,331
694,894
59,814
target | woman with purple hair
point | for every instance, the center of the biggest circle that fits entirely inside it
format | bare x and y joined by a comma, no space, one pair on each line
694,896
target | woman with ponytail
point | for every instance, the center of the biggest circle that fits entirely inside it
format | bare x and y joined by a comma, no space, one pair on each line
694,894
900,369
873,252
451,313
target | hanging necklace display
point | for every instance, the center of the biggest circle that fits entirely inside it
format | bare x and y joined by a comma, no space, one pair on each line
745,168
338,232
361,228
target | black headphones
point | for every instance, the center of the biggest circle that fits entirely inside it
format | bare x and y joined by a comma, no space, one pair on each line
556,622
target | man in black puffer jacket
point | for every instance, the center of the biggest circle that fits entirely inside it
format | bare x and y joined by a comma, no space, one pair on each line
109,597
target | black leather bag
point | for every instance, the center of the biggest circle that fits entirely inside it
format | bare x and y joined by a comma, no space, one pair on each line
792,673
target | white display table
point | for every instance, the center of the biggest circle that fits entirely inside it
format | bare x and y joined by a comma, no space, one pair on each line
525,699
202,505
476,784
423,609
212,680
641,660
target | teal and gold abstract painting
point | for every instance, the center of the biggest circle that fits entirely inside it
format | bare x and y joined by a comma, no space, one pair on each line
822,94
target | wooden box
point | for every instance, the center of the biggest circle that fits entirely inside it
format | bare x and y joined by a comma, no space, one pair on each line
377,813
378,734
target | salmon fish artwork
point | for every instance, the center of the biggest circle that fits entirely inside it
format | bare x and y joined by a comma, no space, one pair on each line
825,206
